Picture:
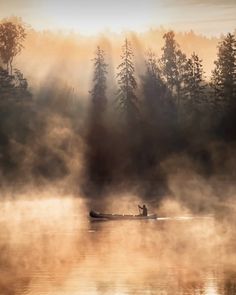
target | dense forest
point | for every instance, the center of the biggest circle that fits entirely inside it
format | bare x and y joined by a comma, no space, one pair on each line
134,138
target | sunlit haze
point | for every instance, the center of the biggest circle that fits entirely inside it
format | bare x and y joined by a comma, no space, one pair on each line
210,17
117,147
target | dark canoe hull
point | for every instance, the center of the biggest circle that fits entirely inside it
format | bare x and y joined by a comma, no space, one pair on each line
100,216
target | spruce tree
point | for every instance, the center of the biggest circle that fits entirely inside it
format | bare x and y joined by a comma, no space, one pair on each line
195,81
152,78
168,60
174,67
181,78
97,139
153,87
126,98
98,91
224,75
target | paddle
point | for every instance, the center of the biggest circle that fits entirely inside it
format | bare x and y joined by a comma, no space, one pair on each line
139,210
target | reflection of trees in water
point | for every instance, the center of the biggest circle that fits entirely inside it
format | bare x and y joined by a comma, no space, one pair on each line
229,285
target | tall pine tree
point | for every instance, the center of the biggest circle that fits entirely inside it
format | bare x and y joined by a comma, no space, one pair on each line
97,154
154,89
127,99
98,91
174,67
195,81
224,75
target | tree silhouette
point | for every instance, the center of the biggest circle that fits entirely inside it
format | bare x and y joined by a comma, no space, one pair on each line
6,84
13,86
159,114
11,38
224,75
21,85
155,91
223,83
97,154
98,91
196,85
127,99
168,59
174,67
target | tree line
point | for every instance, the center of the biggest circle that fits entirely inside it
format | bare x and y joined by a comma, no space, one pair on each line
174,109
170,108
173,76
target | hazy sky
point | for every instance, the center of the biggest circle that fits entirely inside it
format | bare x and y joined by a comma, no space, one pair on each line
209,17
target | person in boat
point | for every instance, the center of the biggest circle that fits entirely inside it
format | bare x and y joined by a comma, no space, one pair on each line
144,208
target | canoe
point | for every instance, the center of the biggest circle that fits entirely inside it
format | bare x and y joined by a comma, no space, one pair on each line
102,216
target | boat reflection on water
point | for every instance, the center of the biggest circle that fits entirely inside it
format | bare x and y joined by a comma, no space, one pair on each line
68,254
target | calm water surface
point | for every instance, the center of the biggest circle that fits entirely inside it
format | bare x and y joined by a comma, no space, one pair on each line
68,255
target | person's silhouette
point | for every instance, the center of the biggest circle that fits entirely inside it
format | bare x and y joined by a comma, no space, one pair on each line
144,208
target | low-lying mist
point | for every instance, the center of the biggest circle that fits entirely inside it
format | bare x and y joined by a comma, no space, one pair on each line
52,141
48,245
55,136
64,153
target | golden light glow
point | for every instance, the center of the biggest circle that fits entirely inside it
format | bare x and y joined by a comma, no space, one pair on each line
210,17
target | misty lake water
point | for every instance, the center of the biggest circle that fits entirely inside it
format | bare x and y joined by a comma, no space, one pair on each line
48,249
